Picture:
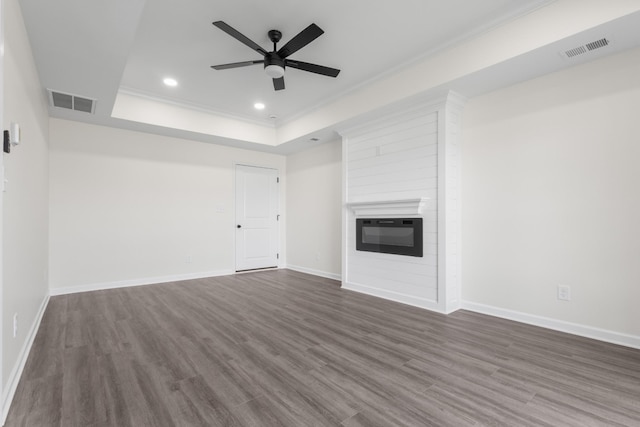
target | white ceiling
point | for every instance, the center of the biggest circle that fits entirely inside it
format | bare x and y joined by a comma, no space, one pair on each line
100,48
363,38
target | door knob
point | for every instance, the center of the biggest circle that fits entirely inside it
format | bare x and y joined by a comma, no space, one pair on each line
239,226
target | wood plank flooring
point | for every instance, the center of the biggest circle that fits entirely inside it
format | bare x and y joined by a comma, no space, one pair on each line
281,348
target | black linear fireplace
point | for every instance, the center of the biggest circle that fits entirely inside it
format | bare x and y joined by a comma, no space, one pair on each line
400,236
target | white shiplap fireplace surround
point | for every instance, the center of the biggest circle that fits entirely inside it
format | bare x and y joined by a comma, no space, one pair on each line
404,163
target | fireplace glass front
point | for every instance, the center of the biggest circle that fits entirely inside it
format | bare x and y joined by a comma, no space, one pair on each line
400,236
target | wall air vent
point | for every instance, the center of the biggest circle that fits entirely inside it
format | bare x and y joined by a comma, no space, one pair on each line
579,50
71,102
575,51
597,44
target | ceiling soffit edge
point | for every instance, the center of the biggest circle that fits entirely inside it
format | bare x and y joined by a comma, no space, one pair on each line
194,107
524,10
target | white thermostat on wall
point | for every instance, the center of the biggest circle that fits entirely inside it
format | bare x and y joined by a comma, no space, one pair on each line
14,134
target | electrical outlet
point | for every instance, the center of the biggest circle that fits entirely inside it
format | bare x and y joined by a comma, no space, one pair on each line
564,293
188,259
15,325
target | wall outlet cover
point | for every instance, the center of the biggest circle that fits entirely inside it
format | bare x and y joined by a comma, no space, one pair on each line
564,293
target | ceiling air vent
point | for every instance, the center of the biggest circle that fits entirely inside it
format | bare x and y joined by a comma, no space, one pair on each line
72,102
576,51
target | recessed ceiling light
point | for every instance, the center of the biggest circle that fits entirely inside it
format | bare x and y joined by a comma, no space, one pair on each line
170,82
259,106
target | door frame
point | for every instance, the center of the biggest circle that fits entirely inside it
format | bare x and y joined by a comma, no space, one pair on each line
2,389
280,259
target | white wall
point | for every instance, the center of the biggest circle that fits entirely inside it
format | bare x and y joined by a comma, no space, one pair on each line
25,210
129,207
551,196
314,209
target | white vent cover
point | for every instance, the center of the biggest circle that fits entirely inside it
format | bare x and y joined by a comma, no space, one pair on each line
579,50
71,102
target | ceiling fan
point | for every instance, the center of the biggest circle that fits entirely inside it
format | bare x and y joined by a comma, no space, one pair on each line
277,60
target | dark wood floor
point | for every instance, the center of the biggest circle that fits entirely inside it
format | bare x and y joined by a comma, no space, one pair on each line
281,348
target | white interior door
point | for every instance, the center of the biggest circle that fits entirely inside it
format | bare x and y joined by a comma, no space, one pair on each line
256,217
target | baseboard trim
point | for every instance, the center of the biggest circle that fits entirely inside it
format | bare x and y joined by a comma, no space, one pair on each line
393,296
137,282
557,325
313,272
16,372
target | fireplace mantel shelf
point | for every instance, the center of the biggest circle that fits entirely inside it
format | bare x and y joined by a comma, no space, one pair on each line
387,208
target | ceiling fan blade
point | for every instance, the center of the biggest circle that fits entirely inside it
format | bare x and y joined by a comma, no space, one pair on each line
303,38
278,84
237,64
313,68
240,37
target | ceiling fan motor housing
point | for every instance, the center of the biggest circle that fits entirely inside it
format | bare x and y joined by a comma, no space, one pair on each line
273,59
274,65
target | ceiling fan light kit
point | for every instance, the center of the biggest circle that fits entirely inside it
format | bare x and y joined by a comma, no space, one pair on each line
274,71
276,61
